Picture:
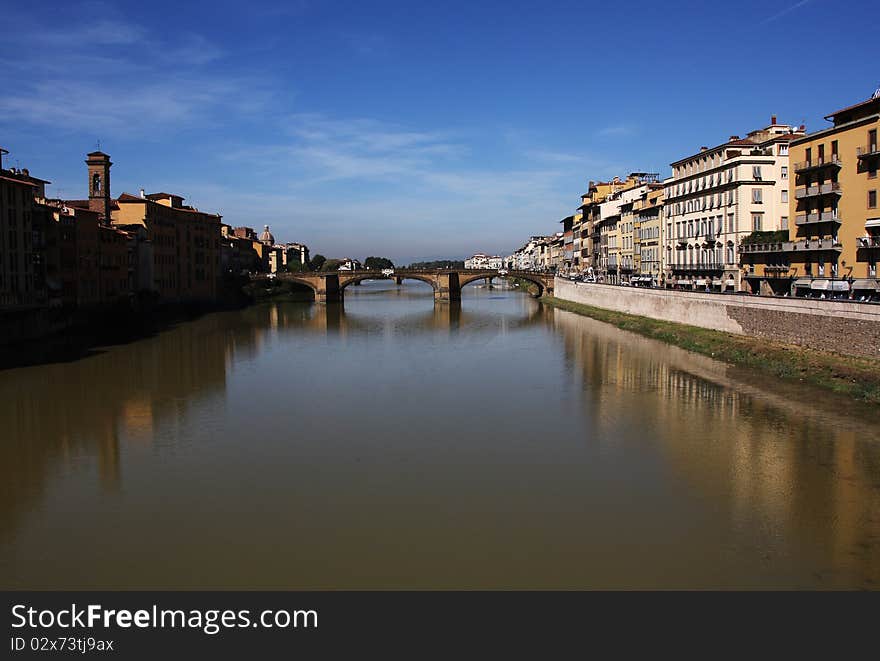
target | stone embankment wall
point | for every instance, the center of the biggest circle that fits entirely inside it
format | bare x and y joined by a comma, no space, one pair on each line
839,326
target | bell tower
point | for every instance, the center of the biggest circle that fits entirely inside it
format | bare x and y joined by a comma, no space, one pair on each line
99,183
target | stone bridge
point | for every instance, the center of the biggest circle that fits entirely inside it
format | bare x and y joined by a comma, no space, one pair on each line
330,286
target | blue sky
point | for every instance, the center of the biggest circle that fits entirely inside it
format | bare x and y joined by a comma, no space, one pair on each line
412,130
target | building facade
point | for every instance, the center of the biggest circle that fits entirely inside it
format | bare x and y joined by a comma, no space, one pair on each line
23,220
834,217
717,197
185,244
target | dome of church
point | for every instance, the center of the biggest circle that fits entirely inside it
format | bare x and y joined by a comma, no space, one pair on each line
266,236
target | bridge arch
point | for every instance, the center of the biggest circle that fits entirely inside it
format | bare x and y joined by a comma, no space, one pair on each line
535,279
345,281
308,282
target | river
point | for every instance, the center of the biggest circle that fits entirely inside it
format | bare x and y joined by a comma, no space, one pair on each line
395,443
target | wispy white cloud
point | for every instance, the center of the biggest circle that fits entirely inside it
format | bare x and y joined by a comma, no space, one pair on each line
137,81
618,131
782,13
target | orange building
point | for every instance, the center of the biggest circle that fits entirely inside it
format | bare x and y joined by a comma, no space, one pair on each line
185,243
834,222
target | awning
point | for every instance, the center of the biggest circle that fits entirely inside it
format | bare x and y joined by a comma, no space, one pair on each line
830,285
872,222
803,282
866,284
700,283
683,282
716,281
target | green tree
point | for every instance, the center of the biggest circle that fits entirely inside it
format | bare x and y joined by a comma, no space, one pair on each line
438,264
296,266
318,262
331,265
378,263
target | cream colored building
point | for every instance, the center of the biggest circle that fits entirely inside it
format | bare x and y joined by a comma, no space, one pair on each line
717,197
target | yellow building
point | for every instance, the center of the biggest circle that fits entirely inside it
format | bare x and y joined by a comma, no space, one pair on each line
834,219
648,251
597,192
185,244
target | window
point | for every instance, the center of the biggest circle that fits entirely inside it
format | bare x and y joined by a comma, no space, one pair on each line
756,221
872,199
756,172
784,172
757,195
784,222
783,150
784,196
872,140
834,150
730,224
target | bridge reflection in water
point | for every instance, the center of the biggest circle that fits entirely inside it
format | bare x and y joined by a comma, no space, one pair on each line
392,442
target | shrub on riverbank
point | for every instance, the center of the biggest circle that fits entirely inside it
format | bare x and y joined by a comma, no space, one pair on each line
855,377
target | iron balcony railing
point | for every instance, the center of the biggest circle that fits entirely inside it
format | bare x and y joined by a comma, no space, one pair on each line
819,162
696,267
868,241
817,217
812,245
761,247
832,187
866,151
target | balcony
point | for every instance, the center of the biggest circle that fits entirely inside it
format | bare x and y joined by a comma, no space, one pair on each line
698,268
816,218
756,248
812,245
867,152
832,162
777,268
831,188
869,242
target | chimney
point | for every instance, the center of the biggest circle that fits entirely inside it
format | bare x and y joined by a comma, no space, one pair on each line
734,137
143,193
2,153
704,149
772,120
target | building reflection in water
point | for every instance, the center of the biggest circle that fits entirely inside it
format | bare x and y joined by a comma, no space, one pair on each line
64,417
800,464
769,464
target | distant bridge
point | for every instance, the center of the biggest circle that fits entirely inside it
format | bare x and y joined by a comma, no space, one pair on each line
447,283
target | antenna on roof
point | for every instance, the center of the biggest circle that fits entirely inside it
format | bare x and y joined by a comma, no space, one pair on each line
876,94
